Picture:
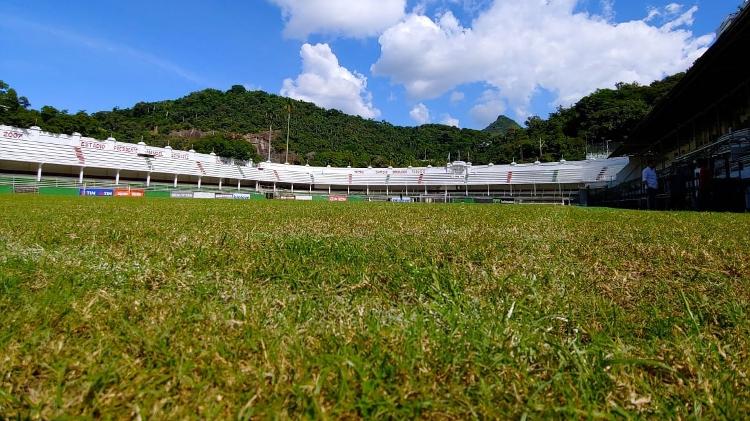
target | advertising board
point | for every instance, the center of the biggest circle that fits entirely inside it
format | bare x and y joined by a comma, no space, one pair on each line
96,192
203,195
129,192
182,195
337,198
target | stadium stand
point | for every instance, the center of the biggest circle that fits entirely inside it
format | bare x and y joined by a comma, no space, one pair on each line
110,162
698,134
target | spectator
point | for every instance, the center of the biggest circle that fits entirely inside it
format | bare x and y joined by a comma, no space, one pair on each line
651,183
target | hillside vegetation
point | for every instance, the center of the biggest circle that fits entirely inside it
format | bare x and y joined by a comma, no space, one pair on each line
224,122
166,309
502,126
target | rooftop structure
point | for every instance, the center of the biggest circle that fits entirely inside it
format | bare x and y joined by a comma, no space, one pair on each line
35,151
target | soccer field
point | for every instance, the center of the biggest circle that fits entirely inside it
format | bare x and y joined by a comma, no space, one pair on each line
225,309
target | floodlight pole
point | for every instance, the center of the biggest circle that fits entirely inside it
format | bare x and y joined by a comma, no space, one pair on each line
288,124
540,148
270,132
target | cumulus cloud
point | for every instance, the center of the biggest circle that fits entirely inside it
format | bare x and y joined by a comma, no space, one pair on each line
517,47
449,120
326,83
358,19
420,113
457,96
488,107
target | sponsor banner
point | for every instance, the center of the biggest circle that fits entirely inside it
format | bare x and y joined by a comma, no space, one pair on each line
181,195
25,189
286,197
96,192
305,197
241,196
203,195
337,198
129,193
224,196
12,134
401,199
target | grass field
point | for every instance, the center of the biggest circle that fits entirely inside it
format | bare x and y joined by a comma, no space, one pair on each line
222,309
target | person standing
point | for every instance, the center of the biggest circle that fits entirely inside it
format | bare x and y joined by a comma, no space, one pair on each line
651,183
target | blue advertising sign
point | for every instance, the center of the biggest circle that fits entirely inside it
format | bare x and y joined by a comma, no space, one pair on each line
96,192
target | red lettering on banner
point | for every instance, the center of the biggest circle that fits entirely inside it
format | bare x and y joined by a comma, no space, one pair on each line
126,149
93,145
13,135
154,152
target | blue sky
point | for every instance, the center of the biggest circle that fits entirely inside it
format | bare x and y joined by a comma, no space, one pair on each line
408,62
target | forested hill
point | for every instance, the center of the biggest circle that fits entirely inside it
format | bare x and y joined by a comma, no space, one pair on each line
502,126
235,123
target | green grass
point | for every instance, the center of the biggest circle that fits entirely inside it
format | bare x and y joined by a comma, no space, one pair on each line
229,309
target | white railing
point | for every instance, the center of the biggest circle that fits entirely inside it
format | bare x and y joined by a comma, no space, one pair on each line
38,148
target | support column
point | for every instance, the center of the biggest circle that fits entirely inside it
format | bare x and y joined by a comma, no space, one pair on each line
117,178
39,173
148,180
387,193
220,182
80,176
368,189
274,187
175,181
199,182
292,188
256,187
329,189
239,185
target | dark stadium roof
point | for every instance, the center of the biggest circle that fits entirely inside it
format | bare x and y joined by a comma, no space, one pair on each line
723,69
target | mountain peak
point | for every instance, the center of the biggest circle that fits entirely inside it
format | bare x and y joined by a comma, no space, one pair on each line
502,125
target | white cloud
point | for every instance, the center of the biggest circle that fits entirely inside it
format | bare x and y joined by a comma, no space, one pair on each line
358,19
685,19
519,46
420,113
457,96
449,120
608,9
326,83
666,13
673,8
488,108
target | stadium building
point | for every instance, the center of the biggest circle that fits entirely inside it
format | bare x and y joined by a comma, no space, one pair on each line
35,161
699,133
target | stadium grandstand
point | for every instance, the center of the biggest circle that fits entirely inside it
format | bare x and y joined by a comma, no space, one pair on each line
699,133
34,161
